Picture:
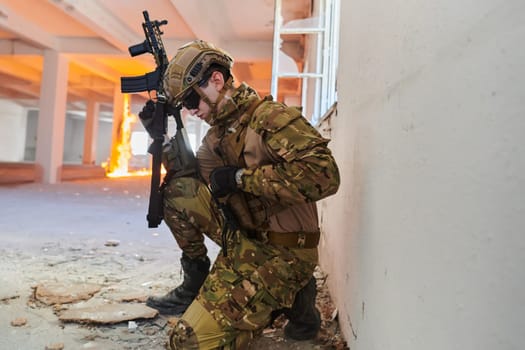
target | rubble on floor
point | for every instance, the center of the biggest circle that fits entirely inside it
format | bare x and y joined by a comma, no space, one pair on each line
51,293
59,273
108,313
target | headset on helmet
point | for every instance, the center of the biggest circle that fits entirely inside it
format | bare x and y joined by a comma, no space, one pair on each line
188,66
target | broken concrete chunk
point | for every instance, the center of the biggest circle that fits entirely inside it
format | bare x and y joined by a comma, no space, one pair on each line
7,298
132,326
125,294
108,314
67,292
19,322
56,346
112,243
149,330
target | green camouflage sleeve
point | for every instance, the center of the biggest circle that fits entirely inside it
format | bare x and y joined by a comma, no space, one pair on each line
305,171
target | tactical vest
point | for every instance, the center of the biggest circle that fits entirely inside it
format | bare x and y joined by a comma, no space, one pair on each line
228,142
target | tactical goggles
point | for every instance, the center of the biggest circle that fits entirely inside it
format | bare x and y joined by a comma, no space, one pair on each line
192,98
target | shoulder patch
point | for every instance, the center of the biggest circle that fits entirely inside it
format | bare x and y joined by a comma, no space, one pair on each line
273,116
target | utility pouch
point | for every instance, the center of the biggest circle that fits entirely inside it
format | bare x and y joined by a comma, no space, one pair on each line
179,159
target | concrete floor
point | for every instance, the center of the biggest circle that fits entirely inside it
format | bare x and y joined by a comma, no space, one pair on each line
59,233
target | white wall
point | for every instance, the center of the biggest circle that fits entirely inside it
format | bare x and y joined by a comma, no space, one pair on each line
424,243
73,139
12,131
103,141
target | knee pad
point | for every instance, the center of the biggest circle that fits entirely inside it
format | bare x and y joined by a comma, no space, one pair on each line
182,336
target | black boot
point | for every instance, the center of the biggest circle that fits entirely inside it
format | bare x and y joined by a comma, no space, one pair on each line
304,318
178,300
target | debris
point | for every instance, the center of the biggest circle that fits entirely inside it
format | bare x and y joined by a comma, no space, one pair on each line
7,298
51,293
172,321
132,326
108,314
56,346
268,332
150,330
161,322
121,275
19,322
58,307
112,243
141,298
125,294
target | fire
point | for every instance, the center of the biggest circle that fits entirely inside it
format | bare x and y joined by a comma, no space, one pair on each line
121,149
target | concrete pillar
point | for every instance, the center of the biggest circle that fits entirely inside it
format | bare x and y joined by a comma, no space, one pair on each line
90,132
52,116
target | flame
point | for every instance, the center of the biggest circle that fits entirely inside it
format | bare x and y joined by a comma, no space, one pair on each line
121,151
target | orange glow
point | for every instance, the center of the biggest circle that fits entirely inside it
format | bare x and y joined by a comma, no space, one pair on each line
121,152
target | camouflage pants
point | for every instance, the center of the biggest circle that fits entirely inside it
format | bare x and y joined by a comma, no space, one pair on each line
243,288
190,213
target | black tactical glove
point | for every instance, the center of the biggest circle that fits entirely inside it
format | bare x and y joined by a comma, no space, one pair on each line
146,118
222,181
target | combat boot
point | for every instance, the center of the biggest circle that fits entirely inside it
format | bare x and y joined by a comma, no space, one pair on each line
304,318
177,300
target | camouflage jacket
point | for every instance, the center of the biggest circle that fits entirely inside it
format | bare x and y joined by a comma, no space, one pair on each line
287,163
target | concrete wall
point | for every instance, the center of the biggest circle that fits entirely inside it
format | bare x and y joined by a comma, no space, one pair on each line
12,131
424,243
103,141
73,139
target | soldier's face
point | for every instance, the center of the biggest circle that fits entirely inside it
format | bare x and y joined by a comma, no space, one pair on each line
212,90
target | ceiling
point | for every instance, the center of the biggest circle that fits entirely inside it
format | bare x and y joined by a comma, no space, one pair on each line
95,36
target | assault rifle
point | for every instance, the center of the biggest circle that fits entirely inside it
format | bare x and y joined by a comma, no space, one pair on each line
185,163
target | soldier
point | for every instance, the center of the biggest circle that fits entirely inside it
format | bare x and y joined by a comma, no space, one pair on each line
266,167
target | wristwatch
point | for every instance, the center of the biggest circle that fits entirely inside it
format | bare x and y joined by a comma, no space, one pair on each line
238,177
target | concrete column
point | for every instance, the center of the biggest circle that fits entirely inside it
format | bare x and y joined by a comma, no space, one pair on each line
52,116
90,132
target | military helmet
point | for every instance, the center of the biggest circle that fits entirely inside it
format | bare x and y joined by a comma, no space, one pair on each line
188,66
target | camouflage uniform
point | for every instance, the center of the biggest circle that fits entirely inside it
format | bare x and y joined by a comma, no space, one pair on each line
273,253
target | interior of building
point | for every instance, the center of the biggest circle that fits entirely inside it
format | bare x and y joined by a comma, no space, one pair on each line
423,243
67,58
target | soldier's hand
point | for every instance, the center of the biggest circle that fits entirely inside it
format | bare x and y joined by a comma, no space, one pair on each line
146,118
223,181
148,111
